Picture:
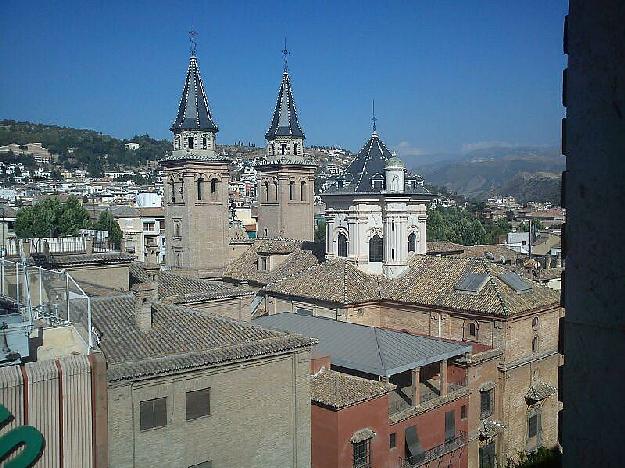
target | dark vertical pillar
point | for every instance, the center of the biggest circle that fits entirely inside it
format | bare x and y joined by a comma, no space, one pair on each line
593,140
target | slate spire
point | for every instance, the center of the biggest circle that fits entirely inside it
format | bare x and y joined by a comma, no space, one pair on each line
285,122
193,111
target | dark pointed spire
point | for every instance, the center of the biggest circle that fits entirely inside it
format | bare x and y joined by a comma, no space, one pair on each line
193,111
284,121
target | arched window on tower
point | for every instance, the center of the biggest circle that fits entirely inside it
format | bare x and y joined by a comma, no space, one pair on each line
214,183
273,149
275,190
190,142
266,190
172,187
200,188
342,245
295,148
292,190
283,148
177,142
412,242
204,143
376,249
303,190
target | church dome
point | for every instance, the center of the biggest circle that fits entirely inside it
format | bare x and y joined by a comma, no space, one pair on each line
394,162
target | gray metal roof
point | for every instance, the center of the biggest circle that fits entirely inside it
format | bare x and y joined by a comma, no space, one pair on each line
193,110
371,350
284,121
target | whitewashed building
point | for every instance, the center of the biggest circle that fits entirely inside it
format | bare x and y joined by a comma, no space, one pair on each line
373,218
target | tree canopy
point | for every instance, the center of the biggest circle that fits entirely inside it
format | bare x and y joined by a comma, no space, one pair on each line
462,227
106,222
51,217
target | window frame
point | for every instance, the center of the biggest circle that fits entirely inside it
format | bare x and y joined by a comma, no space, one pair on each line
487,413
392,440
340,244
362,450
155,422
412,242
193,393
376,249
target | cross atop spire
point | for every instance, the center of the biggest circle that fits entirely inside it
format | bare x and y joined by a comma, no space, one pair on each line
285,54
373,117
192,42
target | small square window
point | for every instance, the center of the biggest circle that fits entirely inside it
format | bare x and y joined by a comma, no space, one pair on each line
153,413
198,403
463,412
392,442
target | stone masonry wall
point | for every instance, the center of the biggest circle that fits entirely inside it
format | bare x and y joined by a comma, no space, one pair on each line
245,398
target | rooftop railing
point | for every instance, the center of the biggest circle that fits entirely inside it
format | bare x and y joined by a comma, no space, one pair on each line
48,296
427,456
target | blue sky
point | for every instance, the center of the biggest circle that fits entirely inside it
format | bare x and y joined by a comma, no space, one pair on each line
445,75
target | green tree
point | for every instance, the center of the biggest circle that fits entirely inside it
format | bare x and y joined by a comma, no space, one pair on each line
106,222
320,232
50,218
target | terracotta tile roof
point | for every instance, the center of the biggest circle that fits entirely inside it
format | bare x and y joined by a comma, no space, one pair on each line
335,280
494,253
179,339
432,281
60,260
444,248
339,390
429,281
300,256
181,289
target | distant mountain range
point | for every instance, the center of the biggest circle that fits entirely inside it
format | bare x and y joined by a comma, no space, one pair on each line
527,173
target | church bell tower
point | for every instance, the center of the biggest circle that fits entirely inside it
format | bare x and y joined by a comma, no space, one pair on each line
286,179
196,185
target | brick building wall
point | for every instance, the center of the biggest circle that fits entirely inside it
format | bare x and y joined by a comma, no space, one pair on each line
245,399
507,369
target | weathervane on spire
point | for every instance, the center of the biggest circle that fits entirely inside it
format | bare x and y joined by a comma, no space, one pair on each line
373,117
285,53
193,46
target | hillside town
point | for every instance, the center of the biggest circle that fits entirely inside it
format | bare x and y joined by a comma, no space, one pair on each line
285,298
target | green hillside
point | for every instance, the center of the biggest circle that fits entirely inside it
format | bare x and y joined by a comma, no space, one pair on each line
80,148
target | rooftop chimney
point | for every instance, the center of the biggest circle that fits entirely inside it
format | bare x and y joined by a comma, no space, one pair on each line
146,294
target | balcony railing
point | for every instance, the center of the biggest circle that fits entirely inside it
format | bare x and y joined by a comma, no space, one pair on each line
451,445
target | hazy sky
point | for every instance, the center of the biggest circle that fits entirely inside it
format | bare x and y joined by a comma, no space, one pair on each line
445,75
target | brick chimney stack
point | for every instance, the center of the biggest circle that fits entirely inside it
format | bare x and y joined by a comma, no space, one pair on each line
146,295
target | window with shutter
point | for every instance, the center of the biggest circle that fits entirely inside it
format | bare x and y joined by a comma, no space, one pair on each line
486,403
152,413
198,403
393,440
450,425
